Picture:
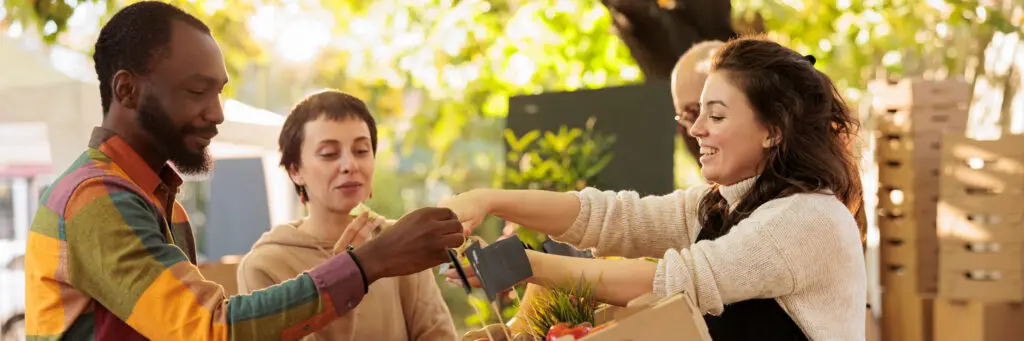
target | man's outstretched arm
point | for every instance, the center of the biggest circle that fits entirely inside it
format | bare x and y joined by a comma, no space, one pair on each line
117,254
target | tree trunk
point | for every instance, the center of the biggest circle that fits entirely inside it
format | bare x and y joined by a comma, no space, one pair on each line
657,35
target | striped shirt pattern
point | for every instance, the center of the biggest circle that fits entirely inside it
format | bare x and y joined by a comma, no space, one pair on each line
103,263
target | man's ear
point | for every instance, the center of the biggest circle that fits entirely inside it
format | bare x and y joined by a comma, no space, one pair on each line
126,89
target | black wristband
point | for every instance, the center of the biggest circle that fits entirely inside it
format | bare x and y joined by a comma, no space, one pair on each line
366,286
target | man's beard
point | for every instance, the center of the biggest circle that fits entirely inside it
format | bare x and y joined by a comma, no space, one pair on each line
157,122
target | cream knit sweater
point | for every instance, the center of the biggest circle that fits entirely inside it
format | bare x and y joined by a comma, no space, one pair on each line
803,250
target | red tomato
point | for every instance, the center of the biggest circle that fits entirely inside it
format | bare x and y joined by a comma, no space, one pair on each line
557,331
562,329
579,331
484,339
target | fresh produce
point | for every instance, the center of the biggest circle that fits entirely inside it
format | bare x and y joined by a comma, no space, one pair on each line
572,304
359,209
563,329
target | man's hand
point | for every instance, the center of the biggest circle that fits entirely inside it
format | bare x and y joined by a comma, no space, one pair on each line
417,241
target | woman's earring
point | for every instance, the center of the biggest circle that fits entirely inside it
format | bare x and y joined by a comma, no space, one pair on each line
303,196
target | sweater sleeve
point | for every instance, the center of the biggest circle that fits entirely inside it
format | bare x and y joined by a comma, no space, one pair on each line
426,314
625,224
161,295
776,251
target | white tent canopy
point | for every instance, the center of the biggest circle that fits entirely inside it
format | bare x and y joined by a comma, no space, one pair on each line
31,90
51,114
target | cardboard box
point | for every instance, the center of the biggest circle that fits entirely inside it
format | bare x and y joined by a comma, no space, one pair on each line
223,273
991,255
980,221
901,203
923,120
908,152
983,271
906,228
909,265
650,318
918,93
872,329
987,224
915,153
906,316
978,321
989,171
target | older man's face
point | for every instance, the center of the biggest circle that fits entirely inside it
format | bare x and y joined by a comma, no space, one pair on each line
686,91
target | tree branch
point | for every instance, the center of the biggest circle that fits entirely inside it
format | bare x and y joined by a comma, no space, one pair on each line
657,36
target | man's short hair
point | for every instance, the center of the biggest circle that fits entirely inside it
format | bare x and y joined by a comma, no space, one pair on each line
132,38
697,58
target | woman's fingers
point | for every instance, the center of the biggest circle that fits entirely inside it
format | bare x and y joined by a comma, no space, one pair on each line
453,277
352,231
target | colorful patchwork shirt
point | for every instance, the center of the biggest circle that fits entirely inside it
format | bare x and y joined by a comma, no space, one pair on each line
111,256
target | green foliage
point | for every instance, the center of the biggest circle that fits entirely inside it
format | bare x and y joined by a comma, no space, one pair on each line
572,303
856,41
49,18
566,160
485,312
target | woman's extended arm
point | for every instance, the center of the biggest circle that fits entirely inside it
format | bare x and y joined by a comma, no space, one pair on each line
618,281
547,212
614,223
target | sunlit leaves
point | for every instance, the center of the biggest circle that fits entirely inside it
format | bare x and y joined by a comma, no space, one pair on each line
48,17
859,40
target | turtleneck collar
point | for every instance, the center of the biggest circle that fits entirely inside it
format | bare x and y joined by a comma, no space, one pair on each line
735,192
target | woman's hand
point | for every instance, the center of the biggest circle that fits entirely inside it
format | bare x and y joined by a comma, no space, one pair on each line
616,281
471,207
358,231
453,277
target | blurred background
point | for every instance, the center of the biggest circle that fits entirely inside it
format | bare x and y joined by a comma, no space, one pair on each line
473,93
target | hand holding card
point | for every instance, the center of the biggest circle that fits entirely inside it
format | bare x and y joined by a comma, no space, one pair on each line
422,239
495,268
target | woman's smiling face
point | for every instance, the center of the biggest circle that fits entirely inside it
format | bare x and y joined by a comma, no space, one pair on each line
731,137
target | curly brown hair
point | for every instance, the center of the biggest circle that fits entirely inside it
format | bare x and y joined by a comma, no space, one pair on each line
815,129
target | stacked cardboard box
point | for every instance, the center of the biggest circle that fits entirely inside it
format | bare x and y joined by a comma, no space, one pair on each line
911,117
649,317
223,273
981,238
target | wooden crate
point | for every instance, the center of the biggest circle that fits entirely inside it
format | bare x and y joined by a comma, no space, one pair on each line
957,320
918,93
906,316
911,117
980,219
985,224
982,271
909,265
932,120
908,192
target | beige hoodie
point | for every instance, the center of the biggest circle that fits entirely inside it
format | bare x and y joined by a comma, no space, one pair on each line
398,308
